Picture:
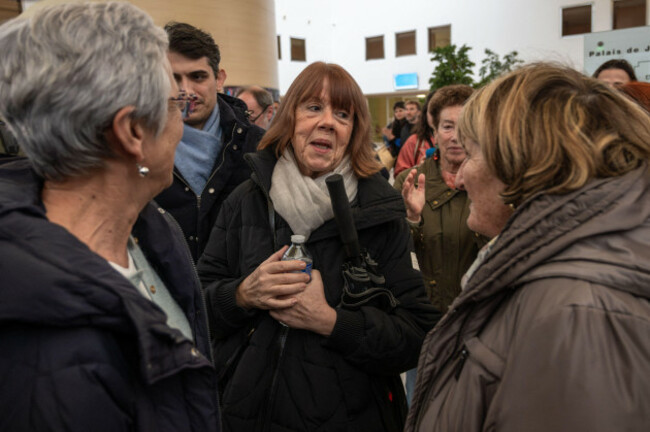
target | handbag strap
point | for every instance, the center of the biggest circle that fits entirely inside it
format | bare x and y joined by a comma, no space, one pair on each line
417,148
271,210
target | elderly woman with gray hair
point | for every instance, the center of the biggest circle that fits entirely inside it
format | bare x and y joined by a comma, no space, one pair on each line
102,322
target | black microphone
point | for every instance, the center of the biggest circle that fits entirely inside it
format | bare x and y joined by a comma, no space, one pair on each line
343,216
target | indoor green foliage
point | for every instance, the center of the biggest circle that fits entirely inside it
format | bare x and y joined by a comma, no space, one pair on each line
455,67
493,66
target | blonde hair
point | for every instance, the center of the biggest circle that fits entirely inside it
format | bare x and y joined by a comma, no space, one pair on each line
344,94
547,128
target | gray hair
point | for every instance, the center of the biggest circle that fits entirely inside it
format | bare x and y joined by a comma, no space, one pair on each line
262,96
68,69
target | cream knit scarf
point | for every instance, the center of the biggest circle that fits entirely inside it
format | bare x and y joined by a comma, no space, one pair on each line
302,201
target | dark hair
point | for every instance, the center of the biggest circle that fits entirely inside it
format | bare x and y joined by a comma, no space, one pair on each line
262,96
193,43
617,64
423,130
447,96
398,104
639,92
344,94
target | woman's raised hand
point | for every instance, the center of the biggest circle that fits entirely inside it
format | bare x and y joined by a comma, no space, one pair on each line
413,195
273,285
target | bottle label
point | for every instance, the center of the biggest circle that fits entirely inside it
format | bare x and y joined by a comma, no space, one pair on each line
308,268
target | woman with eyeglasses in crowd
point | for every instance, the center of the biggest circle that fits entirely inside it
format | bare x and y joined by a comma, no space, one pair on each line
102,321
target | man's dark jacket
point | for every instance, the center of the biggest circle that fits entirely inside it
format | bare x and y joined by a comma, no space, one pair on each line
80,348
407,130
197,213
396,129
276,379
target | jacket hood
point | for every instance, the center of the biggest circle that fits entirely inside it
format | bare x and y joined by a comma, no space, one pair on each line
599,233
50,278
377,202
20,188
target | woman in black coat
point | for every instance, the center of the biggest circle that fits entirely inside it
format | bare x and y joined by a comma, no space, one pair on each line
102,322
328,367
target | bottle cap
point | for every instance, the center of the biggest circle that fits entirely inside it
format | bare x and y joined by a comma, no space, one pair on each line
297,238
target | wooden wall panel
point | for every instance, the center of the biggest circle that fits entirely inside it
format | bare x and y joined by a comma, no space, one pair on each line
243,29
9,9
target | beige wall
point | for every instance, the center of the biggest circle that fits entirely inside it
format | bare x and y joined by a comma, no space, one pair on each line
243,29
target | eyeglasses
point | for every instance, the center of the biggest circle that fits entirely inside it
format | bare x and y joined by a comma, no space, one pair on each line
185,103
249,113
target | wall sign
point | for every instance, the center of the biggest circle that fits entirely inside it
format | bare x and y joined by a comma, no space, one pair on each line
631,44
405,81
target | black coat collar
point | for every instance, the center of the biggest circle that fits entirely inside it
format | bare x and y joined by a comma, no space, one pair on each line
50,278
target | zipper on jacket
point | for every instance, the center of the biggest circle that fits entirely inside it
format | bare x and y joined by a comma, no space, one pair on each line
463,355
229,363
198,210
266,417
223,160
223,155
199,196
182,180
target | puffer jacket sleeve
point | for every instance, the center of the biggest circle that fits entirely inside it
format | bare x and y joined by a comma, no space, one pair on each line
59,380
220,269
381,342
570,370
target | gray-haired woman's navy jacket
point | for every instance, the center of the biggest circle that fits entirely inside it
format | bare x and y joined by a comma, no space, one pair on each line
80,348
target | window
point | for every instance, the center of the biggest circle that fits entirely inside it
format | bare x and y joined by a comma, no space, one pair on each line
374,47
629,13
439,37
576,20
298,50
404,43
279,49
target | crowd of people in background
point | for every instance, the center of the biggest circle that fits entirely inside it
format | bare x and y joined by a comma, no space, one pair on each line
498,277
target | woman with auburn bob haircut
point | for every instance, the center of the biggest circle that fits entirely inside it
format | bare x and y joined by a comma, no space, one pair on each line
551,329
293,356
345,94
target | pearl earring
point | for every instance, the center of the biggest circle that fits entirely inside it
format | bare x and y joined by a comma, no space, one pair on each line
142,170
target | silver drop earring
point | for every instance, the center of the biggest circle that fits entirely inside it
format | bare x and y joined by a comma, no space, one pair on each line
142,170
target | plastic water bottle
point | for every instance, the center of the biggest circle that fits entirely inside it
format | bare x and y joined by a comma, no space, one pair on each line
298,251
